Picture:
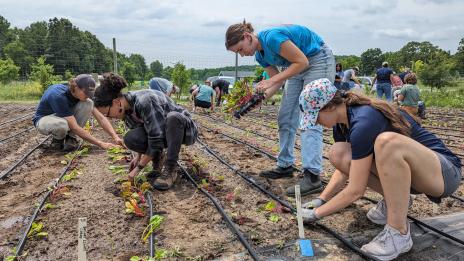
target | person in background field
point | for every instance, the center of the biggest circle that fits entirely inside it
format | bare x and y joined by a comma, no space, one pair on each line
403,74
307,58
221,87
163,85
349,78
339,71
63,111
155,123
384,84
408,159
203,96
409,95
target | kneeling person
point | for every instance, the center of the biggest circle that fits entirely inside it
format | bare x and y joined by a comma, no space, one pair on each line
203,97
155,122
63,111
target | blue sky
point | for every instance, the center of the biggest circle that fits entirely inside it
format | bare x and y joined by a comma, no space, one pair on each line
193,31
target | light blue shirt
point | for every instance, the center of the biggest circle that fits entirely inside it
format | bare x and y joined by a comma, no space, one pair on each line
271,39
204,93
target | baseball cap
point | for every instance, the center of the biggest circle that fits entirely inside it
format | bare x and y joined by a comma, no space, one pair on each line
86,83
313,98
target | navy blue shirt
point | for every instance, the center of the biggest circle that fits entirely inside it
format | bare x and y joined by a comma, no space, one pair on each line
366,123
56,100
383,75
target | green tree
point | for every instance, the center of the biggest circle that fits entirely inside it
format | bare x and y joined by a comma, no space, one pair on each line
459,58
140,65
167,72
43,73
8,71
371,59
156,69
437,74
15,51
180,77
128,71
348,61
5,34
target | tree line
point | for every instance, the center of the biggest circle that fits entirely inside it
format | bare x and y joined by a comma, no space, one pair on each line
57,50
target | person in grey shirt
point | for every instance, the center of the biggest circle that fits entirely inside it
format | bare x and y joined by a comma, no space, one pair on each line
161,84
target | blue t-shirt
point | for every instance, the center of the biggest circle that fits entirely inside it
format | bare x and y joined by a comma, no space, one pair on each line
383,75
366,123
205,93
57,100
271,39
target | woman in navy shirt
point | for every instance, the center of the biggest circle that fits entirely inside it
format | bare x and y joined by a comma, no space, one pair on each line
383,148
306,57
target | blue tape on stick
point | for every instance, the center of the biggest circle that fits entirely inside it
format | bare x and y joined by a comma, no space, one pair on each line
306,247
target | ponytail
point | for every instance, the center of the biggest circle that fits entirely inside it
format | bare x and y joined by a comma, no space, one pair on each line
392,113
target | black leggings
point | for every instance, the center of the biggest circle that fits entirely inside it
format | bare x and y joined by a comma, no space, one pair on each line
137,139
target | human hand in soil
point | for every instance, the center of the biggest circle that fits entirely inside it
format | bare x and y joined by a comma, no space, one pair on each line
134,162
132,174
309,215
119,141
107,145
315,203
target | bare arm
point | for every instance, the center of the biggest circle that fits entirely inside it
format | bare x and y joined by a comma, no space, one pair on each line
299,62
79,131
359,174
105,123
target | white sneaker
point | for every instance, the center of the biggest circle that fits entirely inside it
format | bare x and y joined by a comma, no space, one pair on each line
378,214
389,244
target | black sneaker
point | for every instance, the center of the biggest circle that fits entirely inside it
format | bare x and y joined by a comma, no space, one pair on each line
309,184
56,144
167,178
70,144
278,173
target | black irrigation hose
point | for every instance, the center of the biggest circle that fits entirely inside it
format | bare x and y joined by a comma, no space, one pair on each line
223,213
2,124
458,198
16,134
284,203
22,242
417,222
9,170
149,198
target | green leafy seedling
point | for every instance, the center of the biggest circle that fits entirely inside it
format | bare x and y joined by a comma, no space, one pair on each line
36,230
72,175
274,218
153,225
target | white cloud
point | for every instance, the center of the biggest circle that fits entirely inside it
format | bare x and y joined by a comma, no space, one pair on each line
193,31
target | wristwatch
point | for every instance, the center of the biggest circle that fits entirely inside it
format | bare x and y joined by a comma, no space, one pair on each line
140,167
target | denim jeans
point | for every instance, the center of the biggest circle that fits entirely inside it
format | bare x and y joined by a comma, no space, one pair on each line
384,88
321,65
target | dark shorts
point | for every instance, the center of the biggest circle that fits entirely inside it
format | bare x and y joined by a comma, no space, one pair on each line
451,178
202,104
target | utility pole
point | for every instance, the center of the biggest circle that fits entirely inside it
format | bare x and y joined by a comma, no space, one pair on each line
115,57
236,66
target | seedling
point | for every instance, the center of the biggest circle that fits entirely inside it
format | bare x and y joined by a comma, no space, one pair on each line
153,225
118,169
274,218
72,175
36,230
80,153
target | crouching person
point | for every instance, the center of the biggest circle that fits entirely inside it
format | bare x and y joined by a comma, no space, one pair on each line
408,159
63,111
155,123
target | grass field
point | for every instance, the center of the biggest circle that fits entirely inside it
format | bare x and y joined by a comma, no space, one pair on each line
452,97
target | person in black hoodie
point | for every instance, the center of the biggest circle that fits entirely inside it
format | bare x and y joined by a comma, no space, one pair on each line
155,123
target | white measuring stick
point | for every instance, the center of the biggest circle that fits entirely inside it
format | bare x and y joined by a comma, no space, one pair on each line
299,218
81,240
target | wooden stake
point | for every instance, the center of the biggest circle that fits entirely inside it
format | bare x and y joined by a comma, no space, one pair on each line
81,240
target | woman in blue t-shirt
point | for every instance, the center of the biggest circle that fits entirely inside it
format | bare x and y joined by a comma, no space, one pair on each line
383,148
306,57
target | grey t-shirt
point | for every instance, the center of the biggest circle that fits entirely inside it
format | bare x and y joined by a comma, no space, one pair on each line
161,83
348,74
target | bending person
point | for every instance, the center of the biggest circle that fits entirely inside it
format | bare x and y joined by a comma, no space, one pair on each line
408,159
63,111
308,58
221,87
163,85
155,122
